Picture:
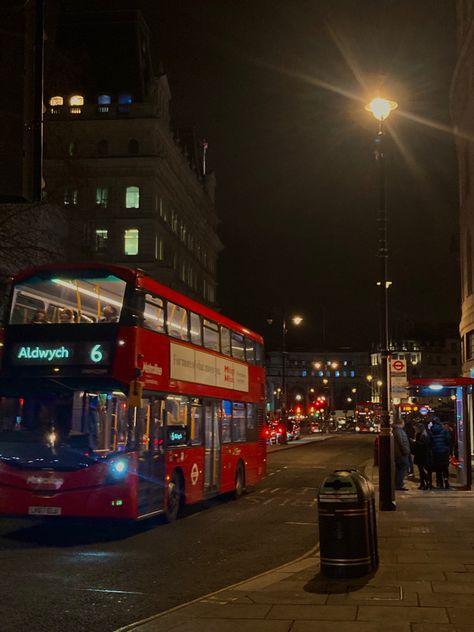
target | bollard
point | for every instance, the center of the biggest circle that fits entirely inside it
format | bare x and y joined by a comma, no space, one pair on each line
347,525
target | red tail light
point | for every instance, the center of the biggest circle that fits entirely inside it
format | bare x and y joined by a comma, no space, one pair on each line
280,429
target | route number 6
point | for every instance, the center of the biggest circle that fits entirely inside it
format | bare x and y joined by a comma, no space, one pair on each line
96,354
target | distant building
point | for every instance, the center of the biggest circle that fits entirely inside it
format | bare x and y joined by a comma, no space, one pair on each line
339,376
133,188
436,356
462,112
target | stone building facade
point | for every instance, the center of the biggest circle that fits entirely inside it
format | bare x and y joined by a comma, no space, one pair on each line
133,187
462,112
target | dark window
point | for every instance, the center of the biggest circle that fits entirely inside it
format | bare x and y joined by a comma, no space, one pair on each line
102,147
124,102
469,263
133,146
470,345
259,354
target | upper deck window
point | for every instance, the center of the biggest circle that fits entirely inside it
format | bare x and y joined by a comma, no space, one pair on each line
238,350
92,295
177,321
211,335
154,313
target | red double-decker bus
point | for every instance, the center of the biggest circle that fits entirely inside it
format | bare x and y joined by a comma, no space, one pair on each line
123,398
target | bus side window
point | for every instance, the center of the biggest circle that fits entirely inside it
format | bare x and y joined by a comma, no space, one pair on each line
196,329
238,350
226,416
259,354
176,421
157,418
211,335
195,427
177,321
154,317
252,434
238,421
249,350
225,341
24,308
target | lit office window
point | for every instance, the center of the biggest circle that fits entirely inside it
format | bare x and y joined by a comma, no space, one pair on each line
71,197
76,103
101,237
104,99
124,102
132,197
102,196
56,101
130,246
159,249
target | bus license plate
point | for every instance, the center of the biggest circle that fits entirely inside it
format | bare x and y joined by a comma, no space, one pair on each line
44,511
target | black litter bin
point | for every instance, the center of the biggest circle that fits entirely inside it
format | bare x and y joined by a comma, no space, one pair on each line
347,525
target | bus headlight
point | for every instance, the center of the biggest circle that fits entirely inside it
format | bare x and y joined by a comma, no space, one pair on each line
118,468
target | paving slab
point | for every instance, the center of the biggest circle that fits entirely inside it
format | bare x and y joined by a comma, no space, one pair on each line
412,614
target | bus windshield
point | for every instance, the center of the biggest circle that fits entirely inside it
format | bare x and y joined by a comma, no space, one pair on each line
69,297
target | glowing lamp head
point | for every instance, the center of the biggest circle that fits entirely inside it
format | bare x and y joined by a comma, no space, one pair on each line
297,320
435,387
381,108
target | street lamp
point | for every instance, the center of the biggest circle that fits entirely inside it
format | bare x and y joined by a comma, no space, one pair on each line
295,320
381,109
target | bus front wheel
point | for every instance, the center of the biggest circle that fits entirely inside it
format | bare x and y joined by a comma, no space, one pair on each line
175,498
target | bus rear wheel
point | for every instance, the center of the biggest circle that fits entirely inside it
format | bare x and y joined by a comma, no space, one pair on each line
174,501
239,481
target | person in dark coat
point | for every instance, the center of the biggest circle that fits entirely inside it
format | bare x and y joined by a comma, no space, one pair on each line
401,446
440,441
422,456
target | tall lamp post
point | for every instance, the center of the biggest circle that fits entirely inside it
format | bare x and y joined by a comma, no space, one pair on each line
295,320
381,109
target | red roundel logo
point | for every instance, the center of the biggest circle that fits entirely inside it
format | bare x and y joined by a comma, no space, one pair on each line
398,365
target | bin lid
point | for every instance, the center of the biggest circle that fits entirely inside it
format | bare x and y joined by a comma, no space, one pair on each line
339,486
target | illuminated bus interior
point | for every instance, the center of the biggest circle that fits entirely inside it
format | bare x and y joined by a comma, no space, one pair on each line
68,298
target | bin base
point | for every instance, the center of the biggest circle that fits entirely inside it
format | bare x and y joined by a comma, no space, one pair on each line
340,570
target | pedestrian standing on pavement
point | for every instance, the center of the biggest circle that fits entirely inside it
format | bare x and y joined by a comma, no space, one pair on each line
402,454
422,456
440,447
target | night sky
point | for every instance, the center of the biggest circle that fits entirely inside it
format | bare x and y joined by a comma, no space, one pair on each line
277,87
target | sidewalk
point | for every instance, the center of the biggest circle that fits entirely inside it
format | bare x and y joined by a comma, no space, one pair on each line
425,581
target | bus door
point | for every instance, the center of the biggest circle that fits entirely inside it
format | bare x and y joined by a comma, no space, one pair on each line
212,448
151,468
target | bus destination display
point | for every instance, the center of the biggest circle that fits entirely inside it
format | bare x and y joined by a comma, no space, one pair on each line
69,353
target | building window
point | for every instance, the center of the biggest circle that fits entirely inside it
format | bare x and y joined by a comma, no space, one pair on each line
56,101
133,146
159,249
71,197
76,103
55,104
104,101
72,149
470,345
130,241
132,197
102,147
101,237
102,196
124,102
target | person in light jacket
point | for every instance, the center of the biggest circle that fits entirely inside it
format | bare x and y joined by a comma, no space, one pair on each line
401,453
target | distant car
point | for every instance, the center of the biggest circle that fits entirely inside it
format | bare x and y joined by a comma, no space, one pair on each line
277,433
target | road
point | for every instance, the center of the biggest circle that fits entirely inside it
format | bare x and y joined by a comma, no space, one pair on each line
61,577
